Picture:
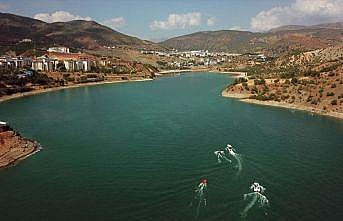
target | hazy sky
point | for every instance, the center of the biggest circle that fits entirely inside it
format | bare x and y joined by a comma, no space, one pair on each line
159,19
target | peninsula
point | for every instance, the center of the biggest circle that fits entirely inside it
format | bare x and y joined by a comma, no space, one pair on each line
313,82
14,147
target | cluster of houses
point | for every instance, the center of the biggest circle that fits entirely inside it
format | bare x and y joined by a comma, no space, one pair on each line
7,62
56,59
197,62
184,59
190,54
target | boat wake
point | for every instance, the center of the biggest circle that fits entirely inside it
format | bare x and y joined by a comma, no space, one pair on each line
221,156
200,200
256,197
236,156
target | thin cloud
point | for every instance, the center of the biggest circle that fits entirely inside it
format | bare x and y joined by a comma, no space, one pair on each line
300,12
59,16
211,21
178,21
115,22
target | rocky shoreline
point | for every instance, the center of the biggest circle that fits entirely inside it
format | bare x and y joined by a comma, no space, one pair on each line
246,98
14,147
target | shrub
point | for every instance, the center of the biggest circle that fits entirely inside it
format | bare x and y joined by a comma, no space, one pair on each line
265,89
162,63
254,90
333,85
240,80
259,81
245,85
314,101
309,98
274,97
290,73
284,97
294,81
329,69
330,94
311,73
334,102
261,97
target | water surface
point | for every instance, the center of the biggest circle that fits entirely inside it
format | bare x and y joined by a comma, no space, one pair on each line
135,151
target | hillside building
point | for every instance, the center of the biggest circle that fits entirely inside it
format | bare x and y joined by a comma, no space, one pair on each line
59,49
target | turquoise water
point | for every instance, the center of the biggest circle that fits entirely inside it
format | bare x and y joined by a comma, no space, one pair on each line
136,151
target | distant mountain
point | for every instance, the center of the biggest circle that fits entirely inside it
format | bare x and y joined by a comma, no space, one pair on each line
75,34
223,40
277,40
336,25
287,28
91,35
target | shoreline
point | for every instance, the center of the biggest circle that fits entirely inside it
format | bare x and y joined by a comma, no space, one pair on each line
245,98
15,147
16,161
181,71
235,74
240,97
41,91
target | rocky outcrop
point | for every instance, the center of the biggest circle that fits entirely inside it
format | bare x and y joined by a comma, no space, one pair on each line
14,147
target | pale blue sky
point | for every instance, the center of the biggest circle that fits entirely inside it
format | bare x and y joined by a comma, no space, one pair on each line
136,17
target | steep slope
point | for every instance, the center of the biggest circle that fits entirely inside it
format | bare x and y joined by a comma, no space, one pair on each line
75,34
14,28
277,40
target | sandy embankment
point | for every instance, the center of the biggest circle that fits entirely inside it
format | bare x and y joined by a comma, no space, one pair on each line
245,98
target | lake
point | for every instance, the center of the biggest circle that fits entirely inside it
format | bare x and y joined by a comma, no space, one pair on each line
137,151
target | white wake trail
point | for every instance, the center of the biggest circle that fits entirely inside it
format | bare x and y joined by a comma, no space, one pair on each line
257,197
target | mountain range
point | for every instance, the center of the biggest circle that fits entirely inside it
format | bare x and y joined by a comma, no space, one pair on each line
90,35
279,39
74,34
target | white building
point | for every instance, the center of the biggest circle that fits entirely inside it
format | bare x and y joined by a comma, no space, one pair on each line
59,49
78,65
86,65
44,63
16,62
